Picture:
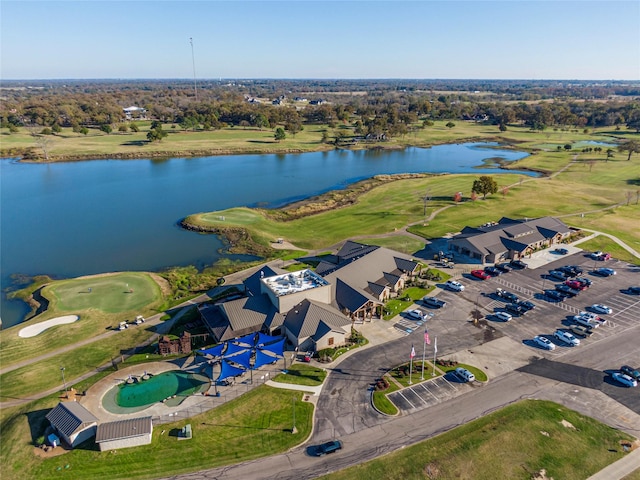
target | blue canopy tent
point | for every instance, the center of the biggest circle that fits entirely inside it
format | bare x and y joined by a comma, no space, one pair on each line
263,359
233,349
277,347
213,351
249,339
263,339
227,370
243,358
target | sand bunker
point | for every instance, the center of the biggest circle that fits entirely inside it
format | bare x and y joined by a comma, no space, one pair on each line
38,328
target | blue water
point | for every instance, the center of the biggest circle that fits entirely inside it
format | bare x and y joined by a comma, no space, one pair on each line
80,218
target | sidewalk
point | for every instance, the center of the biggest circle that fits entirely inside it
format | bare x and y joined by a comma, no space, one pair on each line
620,469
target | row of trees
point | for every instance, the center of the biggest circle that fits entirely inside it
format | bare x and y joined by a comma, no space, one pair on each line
381,110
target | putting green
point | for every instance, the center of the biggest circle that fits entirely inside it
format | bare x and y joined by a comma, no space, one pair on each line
116,293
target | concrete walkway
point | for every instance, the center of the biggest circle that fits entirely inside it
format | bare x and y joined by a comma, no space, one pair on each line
620,469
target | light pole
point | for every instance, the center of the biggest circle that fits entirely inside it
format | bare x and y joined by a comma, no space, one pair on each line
64,383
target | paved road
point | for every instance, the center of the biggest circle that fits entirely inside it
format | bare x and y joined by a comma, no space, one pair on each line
344,409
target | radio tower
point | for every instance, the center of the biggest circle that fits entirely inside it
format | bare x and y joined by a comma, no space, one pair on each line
193,60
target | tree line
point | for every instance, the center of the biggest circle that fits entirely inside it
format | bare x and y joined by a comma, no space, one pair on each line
380,109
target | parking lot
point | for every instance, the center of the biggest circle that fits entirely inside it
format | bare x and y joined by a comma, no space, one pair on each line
549,315
544,319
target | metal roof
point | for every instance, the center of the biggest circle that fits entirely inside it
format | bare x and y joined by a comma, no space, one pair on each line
121,429
69,417
308,317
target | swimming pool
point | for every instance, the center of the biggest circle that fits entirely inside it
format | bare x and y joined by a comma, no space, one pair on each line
139,393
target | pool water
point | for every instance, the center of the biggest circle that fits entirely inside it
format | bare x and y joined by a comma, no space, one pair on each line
159,387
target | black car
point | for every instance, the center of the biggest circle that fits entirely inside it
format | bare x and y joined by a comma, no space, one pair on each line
527,305
519,264
557,274
503,267
510,297
493,271
632,372
566,289
561,251
555,296
584,281
633,290
515,309
328,447
567,270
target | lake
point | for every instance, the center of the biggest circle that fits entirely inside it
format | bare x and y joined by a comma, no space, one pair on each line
80,218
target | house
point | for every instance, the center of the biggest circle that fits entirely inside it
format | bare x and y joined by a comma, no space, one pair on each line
509,238
132,432
72,423
134,112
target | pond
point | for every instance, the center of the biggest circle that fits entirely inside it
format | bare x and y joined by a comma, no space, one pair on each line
80,218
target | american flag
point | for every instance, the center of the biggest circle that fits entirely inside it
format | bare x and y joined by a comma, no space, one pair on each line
427,340
413,352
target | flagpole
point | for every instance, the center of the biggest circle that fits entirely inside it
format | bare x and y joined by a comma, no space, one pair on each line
435,350
411,364
424,351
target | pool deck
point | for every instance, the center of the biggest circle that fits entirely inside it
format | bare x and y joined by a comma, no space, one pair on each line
192,405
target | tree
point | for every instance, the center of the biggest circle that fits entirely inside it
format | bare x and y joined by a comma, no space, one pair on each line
106,128
156,134
631,146
124,128
485,185
84,130
503,127
279,135
134,127
568,146
450,125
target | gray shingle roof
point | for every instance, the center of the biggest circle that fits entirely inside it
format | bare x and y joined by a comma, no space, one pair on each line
132,427
69,417
512,234
305,319
351,250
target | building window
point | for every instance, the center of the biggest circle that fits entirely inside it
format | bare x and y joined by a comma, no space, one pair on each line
330,341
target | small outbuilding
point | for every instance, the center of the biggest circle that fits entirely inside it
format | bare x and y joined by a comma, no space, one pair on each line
73,423
124,433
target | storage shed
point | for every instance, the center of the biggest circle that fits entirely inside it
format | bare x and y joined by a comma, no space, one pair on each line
124,433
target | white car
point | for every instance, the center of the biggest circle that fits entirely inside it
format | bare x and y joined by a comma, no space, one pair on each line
624,379
544,342
566,337
586,321
465,375
417,314
504,316
455,286
599,308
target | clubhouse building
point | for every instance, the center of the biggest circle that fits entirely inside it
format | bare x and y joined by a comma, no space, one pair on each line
509,239
314,309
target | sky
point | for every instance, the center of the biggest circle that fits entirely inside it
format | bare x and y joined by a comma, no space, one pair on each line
334,39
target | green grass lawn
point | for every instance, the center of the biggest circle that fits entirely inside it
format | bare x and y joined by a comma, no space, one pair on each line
255,425
396,306
109,303
512,443
301,374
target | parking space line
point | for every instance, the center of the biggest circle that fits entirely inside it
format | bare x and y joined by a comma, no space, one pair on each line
407,400
419,396
428,391
455,389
